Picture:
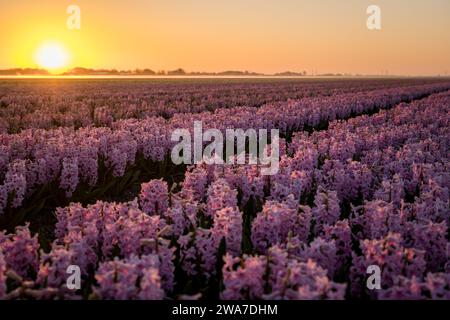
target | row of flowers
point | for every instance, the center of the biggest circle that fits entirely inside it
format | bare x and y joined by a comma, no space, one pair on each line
45,105
371,190
35,158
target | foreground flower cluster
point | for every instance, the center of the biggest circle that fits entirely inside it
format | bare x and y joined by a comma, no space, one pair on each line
368,190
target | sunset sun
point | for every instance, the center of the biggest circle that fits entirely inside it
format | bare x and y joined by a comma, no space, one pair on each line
52,56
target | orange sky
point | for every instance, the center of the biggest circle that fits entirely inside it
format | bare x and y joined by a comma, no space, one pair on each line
258,35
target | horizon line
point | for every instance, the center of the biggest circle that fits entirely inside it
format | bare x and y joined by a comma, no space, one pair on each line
180,72
148,77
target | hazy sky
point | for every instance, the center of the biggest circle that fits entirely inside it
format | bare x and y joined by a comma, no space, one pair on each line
212,35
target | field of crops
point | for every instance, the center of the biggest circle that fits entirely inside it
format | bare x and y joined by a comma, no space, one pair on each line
86,179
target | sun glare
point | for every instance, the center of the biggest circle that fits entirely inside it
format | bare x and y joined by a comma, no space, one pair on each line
52,56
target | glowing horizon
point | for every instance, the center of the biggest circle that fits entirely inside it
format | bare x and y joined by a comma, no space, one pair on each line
326,36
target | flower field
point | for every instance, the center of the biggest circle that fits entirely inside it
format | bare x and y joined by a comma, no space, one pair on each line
86,179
